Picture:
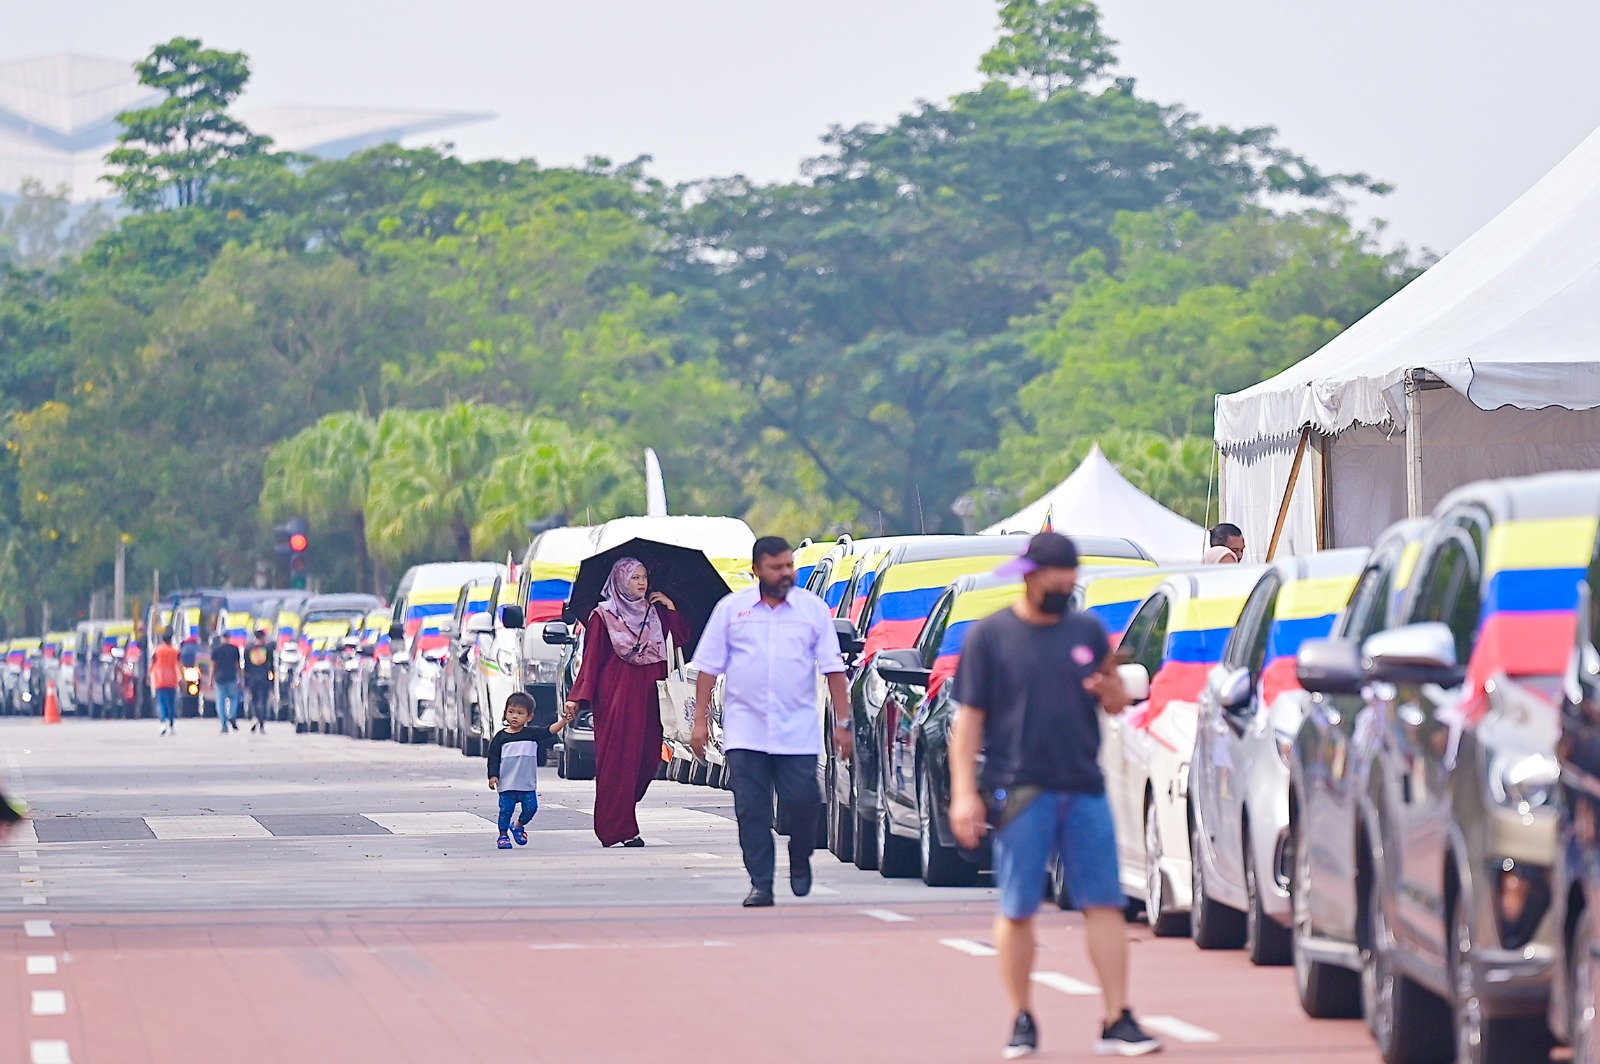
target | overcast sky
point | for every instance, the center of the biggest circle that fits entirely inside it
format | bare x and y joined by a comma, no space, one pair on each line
1462,104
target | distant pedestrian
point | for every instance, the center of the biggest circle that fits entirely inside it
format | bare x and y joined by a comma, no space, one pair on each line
164,682
225,679
259,674
1227,545
513,769
1030,681
768,642
624,654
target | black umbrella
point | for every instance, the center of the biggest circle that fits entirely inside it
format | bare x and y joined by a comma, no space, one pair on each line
683,574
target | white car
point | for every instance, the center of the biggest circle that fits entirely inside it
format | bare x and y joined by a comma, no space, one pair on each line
423,603
496,637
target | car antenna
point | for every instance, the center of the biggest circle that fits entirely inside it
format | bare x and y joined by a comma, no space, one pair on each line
921,517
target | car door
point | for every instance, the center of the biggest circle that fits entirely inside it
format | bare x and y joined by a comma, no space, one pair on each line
900,705
1141,644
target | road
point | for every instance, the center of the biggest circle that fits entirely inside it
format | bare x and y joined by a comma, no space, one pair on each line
296,898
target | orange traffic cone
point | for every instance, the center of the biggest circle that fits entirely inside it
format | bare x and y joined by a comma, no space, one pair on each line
52,707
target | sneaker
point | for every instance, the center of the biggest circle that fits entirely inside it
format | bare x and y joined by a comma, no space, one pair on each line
503,843
520,834
1024,1038
1125,1038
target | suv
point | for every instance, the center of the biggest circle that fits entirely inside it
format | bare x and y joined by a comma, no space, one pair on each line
457,708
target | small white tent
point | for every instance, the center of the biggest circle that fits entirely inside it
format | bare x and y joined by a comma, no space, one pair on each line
1096,500
1487,365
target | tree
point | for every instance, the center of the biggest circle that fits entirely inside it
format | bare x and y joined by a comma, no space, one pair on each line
40,229
1049,45
321,474
171,151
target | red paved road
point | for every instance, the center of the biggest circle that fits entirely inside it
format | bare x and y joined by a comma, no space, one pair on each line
795,985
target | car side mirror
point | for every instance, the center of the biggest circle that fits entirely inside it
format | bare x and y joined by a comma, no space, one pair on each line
902,666
397,631
512,617
1330,667
400,657
1236,691
349,642
556,633
1135,681
850,641
1414,654
368,650
480,624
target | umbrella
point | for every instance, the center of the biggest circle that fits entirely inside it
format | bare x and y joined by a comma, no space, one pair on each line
683,574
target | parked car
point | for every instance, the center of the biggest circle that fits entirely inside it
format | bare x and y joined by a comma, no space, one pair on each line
422,605
119,688
1176,636
575,751
1250,709
497,639
544,583
456,693
25,673
326,622
366,694
1459,834
1327,778
286,634
85,676
59,651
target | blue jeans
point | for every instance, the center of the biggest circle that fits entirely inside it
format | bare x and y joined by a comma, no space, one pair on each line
509,800
167,704
1079,828
229,703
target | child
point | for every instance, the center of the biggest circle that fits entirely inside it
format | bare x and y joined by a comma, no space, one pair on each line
513,764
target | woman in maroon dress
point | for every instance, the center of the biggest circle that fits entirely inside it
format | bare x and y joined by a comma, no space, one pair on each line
625,653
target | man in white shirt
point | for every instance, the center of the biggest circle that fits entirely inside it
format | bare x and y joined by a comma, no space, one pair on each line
769,641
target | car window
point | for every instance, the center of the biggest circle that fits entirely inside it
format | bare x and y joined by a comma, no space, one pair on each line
1252,626
1450,592
933,630
870,610
1368,609
1147,631
819,576
1261,633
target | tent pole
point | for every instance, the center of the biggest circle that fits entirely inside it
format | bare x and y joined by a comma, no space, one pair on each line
1288,492
1414,443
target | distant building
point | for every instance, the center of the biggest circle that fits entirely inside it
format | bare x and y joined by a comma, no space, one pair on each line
58,120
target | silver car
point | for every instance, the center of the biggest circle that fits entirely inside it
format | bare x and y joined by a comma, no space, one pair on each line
1250,710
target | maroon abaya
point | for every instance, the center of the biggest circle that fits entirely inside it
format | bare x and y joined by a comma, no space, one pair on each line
627,724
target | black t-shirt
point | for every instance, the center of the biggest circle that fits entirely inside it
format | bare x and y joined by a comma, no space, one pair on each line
225,663
258,664
1041,728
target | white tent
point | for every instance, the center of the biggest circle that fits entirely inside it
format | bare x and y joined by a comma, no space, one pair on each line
1096,500
1487,365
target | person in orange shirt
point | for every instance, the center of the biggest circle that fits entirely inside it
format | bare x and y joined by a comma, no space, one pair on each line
164,681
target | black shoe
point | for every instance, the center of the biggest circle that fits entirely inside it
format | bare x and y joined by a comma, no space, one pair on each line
1125,1038
800,878
1024,1038
633,843
757,899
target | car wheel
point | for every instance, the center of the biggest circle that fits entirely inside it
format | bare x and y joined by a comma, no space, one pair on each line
864,836
942,866
841,825
561,762
1410,1025
1267,941
1212,925
897,857
1057,875
1480,1040
1581,999
580,766
1157,897
1326,991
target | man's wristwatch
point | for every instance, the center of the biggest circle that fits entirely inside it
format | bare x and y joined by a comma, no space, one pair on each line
846,724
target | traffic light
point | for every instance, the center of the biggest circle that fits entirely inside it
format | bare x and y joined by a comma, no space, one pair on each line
292,539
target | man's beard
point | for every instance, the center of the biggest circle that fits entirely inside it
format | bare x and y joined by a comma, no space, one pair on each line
778,591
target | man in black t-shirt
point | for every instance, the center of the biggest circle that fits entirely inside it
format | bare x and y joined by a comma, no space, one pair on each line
225,678
1030,685
258,676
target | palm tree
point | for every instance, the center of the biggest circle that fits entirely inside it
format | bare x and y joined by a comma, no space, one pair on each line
551,469
321,474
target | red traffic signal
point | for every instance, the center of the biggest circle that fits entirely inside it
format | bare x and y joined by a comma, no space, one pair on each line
298,542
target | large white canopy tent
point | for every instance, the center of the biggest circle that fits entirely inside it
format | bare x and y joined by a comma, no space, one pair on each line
1096,500
1487,365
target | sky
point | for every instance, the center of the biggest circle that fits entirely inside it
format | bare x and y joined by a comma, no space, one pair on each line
1461,104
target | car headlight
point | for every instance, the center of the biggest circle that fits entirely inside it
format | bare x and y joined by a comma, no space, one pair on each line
536,672
191,673
1523,782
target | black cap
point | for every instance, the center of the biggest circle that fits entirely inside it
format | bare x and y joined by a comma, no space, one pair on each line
1047,550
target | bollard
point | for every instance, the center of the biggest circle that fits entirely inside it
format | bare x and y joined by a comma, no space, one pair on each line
52,707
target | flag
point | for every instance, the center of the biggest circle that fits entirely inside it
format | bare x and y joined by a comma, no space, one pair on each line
1049,519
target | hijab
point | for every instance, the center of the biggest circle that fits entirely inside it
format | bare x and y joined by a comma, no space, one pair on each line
635,626
1220,556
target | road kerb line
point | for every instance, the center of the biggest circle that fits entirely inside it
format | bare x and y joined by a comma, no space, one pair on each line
1066,984
48,1051
49,1003
1183,1031
969,947
38,929
888,916
41,965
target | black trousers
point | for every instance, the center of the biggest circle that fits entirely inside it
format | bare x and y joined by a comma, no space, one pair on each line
260,703
756,776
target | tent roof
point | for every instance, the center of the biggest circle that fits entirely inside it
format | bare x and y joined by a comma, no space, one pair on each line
1510,318
1096,500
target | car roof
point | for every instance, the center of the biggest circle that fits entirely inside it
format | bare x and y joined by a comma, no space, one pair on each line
343,601
434,575
570,543
718,537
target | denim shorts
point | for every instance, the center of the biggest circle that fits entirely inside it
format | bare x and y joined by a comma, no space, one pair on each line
1079,828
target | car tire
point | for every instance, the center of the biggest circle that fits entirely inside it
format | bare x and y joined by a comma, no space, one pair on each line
580,766
561,762
1157,896
662,768
1268,942
897,857
864,837
299,727
1480,1040
382,729
942,866
1581,996
1056,873
841,825
1212,924
1326,991
1409,1024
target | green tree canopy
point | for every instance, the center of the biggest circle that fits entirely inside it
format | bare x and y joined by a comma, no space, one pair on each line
1049,45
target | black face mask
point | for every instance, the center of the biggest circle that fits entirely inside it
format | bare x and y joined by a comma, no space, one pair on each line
1055,603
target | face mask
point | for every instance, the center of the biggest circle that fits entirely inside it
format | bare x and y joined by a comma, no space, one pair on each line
1055,603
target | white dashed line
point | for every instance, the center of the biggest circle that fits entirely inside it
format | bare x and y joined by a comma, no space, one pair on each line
28,855
1066,984
38,929
41,965
1173,1027
49,1003
969,947
707,856
49,1052
25,869
822,891
34,899
888,916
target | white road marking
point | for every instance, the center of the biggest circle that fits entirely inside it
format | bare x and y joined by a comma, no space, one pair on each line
28,868
888,916
38,929
27,855
451,823
41,965
49,1003
707,856
1066,984
1173,1027
35,899
49,1052
206,827
568,947
823,892
969,947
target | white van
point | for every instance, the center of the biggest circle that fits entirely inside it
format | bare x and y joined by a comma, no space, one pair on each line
544,583
423,605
